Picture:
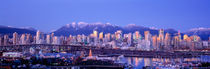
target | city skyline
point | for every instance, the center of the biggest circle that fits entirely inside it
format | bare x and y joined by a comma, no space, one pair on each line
88,47
104,34
147,41
80,22
50,15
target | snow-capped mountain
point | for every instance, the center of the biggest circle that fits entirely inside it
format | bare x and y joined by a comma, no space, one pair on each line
199,29
204,33
87,28
10,30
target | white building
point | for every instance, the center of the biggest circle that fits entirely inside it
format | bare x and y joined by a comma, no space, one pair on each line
55,40
38,37
48,39
23,39
12,54
15,38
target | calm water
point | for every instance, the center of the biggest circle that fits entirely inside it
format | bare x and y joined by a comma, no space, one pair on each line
162,63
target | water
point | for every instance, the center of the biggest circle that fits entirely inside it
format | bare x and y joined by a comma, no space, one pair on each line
163,63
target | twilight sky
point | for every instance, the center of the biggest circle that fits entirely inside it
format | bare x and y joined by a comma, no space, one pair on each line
47,15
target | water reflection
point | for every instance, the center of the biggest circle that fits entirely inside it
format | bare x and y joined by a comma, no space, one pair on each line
173,63
136,61
148,62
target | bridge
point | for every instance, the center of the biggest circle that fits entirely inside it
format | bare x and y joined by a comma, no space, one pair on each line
97,50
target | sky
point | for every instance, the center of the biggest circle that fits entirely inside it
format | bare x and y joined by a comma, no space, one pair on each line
48,15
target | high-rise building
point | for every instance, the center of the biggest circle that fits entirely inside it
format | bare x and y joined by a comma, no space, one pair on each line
79,39
69,40
66,40
161,37
28,38
118,34
0,40
48,39
195,44
179,36
95,34
38,36
186,41
15,38
6,39
95,37
147,39
185,37
195,38
23,39
88,39
107,37
55,40
154,42
129,41
137,35
101,35
51,36
112,37
84,38
147,35
61,40
167,41
176,42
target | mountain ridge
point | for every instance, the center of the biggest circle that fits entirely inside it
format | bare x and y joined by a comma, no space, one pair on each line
10,30
87,28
